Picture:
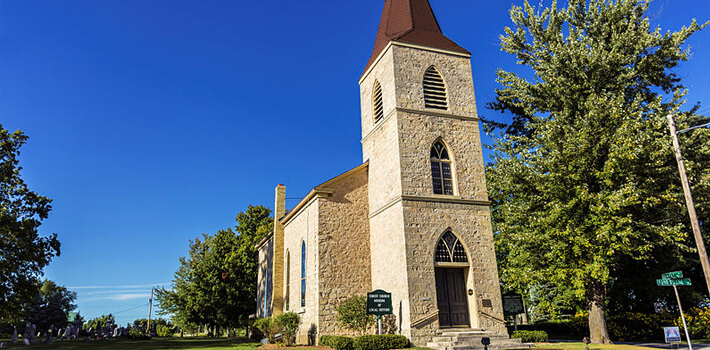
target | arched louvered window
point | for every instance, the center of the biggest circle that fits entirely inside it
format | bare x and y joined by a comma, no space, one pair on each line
450,250
378,110
303,274
434,90
441,169
288,279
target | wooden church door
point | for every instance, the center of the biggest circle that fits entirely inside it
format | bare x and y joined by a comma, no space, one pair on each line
451,297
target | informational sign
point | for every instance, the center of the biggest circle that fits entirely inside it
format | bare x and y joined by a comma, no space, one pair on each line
674,282
513,304
672,334
379,303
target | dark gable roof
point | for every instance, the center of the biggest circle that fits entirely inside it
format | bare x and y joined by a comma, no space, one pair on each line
412,22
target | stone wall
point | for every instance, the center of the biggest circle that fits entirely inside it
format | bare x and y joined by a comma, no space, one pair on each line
344,248
303,227
264,291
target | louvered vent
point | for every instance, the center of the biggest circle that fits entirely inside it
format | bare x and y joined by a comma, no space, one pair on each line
434,90
377,102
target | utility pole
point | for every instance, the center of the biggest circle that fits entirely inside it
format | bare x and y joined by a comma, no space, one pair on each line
689,202
150,310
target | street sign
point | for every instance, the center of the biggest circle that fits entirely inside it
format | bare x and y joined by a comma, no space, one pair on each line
672,275
674,282
379,303
513,304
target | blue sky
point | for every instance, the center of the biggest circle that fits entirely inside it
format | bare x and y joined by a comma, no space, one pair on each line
152,122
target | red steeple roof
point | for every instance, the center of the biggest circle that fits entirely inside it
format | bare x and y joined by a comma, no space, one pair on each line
413,22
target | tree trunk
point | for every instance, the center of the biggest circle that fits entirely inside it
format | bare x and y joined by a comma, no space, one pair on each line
596,295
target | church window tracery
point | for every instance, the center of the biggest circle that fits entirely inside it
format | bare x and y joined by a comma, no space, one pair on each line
450,250
378,110
434,90
441,174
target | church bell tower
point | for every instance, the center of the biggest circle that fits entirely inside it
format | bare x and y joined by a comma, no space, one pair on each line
430,230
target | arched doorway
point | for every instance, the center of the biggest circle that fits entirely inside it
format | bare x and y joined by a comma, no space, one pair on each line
450,265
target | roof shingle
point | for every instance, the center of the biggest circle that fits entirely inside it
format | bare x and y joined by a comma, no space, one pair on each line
412,22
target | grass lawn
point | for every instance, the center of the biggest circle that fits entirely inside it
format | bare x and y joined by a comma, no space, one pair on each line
154,344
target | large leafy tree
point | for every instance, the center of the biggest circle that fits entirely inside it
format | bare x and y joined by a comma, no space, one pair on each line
23,252
583,180
216,284
51,306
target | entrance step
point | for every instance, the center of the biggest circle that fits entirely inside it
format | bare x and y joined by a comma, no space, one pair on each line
468,339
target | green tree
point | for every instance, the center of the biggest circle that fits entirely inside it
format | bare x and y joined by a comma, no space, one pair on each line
52,306
216,284
583,179
24,253
352,314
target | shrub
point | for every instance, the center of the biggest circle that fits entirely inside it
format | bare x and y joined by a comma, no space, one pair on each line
337,342
137,334
164,330
268,327
352,314
380,342
698,320
287,324
634,326
530,336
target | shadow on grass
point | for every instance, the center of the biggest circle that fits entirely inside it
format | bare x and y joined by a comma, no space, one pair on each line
153,344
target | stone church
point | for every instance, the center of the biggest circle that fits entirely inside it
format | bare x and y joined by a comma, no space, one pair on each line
414,218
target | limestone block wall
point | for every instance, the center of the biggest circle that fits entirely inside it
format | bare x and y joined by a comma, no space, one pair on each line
389,261
462,138
425,223
303,227
409,67
344,249
264,290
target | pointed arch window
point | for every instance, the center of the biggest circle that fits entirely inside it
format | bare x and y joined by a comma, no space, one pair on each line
441,174
434,90
288,279
450,250
303,273
378,109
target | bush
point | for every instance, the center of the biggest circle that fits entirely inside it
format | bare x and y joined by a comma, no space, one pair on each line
268,327
287,324
164,330
634,326
380,342
337,342
530,336
137,335
698,320
352,314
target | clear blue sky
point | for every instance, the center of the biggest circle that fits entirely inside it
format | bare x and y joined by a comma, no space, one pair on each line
152,122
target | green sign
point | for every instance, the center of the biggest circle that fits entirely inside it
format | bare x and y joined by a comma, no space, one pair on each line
513,304
379,303
674,282
672,275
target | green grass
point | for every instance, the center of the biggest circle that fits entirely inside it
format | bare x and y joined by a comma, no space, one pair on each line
154,344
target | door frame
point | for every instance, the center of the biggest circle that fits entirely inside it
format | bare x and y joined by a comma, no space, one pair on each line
464,270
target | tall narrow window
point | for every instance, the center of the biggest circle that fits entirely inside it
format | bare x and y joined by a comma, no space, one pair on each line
266,290
378,110
449,249
434,90
303,274
441,169
288,279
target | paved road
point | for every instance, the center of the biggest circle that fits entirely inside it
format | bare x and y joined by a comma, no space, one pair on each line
704,346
